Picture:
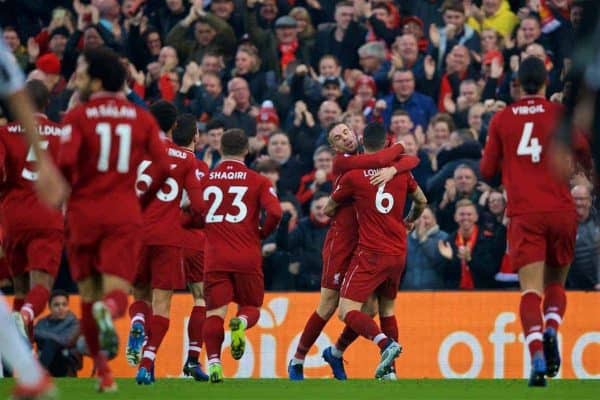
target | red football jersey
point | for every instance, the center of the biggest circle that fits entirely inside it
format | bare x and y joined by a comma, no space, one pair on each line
519,139
343,224
162,217
233,198
103,142
20,205
379,209
194,238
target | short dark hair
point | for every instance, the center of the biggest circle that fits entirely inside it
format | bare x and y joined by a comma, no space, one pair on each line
344,3
165,114
453,5
185,129
38,93
234,142
374,136
104,64
57,293
214,124
401,113
532,75
267,165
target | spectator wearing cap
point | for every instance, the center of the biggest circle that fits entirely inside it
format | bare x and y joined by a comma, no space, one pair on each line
454,32
247,66
267,123
50,66
364,95
280,48
341,39
238,110
426,11
413,25
331,89
373,60
210,34
210,153
57,41
404,97
320,179
495,14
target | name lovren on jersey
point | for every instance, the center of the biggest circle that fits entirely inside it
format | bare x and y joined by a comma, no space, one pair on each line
43,130
371,172
227,175
528,110
111,111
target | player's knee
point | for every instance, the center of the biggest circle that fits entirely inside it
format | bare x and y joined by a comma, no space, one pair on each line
326,310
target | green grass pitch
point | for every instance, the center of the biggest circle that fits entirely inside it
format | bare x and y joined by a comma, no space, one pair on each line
266,389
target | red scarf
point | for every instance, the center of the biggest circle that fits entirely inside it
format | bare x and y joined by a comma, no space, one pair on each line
466,279
288,53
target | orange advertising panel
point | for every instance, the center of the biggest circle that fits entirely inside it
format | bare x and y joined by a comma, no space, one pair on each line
452,335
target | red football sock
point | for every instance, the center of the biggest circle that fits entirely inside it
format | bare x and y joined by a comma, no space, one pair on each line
311,332
18,303
364,325
346,338
555,304
35,302
116,302
158,329
89,328
249,314
140,311
213,335
389,326
195,325
531,320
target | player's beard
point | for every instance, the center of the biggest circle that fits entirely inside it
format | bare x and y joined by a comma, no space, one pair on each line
85,93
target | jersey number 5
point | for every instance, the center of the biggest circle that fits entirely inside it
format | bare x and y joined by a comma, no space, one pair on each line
238,191
529,146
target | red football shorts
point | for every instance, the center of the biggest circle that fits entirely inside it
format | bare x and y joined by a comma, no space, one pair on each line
114,252
223,287
161,267
34,250
193,261
337,254
373,273
548,236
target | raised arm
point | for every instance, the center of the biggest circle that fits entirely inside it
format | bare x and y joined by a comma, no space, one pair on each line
381,159
492,154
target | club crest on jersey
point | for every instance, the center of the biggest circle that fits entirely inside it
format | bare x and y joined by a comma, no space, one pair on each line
336,278
66,134
199,174
273,192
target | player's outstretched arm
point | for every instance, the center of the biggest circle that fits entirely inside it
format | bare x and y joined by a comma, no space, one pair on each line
492,153
418,205
404,164
270,203
381,159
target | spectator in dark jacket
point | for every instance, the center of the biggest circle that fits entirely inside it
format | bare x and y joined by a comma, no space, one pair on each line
305,242
472,253
292,169
424,262
56,335
211,152
238,111
585,270
168,16
463,185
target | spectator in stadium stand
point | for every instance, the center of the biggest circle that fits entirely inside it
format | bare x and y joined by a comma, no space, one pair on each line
406,54
238,110
495,14
331,89
248,66
404,97
554,71
55,336
374,63
305,242
585,269
169,15
226,10
461,147
143,47
424,262
475,121
280,48
49,64
423,171
463,185
438,133
329,112
468,95
13,42
341,39
306,29
211,152
454,32
493,75
472,253
201,93
271,169
458,68
279,149
356,121
400,125
493,205
320,179
210,33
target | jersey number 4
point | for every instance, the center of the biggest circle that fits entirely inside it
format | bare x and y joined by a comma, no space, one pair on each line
238,202
529,146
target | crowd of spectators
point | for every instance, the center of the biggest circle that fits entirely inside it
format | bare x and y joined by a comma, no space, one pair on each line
432,71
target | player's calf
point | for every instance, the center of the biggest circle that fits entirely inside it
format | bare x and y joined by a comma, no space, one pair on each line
108,339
